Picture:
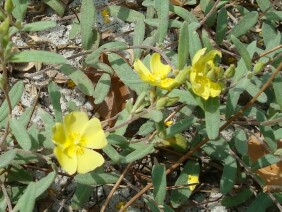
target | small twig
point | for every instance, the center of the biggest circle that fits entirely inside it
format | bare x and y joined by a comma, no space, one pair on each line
204,141
7,198
213,9
103,208
267,52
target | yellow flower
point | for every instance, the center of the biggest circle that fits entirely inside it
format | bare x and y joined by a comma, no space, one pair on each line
158,76
74,139
191,180
202,64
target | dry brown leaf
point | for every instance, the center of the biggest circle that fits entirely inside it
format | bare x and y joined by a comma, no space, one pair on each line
272,175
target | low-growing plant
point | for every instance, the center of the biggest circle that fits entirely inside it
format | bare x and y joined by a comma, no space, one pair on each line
212,98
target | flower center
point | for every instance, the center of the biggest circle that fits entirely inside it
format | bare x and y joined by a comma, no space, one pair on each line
76,144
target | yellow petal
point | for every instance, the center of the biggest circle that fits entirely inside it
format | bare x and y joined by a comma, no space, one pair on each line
142,71
197,56
74,122
167,84
69,164
215,89
191,180
58,136
88,161
158,68
93,135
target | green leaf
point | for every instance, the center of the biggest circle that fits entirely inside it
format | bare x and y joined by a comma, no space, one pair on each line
218,149
162,7
181,195
75,29
57,5
96,177
234,94
241,142
183,13
84,84
103,67
19,175
212,117
33,191
112,153
93,58
47,119
152,205
243,52
159,183
27,200
87,22
184,96
271,37
25,118
221,26
243,26
183,46
238,199
81,196
138,37
126,74
154,115
146,128
119,140
274,16
37,56
261,203
138,153
125,14
265,160
20,10
180,126
55,96
194,39
252,89
38,26
15,95
264,5
123,117
206,40
206,6
20,132
229,175
277,85
7,158
102,88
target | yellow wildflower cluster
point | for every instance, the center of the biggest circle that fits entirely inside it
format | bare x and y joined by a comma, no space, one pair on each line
75,140
158,76
202,73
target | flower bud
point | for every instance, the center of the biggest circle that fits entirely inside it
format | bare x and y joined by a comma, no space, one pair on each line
229,73
2,81
259,66
9,6
182,76
211,75
161,102
139,102
172,100
4,27
2,16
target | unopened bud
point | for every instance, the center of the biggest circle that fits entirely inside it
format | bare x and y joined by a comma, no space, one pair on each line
2,16
182,76
2,81
259,66
211,75
161,102
9,6
219,72
230,71
4,26
172,100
